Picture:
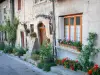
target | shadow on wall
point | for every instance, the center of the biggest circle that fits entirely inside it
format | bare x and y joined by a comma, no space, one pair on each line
36,44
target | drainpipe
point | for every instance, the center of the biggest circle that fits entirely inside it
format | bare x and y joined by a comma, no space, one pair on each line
54,31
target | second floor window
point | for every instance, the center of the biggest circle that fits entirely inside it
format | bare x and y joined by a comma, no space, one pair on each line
19,4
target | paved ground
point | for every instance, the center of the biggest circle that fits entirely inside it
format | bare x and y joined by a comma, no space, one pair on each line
10,66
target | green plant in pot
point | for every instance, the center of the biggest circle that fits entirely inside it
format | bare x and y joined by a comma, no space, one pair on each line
33,35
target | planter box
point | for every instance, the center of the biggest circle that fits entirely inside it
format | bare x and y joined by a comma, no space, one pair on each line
68,46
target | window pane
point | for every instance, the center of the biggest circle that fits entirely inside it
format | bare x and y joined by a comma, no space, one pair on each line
72,21
66,21
66,32
77,20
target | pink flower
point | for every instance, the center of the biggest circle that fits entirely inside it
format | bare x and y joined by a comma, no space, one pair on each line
77,61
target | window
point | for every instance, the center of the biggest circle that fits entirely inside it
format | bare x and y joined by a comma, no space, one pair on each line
73,27
5,10
19,4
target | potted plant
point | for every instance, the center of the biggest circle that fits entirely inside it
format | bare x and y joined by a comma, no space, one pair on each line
33,35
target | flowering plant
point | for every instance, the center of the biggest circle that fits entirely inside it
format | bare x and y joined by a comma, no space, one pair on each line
76,44
95,70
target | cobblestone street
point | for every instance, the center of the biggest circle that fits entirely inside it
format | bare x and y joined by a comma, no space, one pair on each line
9,66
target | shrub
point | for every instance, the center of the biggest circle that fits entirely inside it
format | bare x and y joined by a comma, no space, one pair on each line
15,50
45,51
36,52
47,66
2,46
35,57
20,52
8,49
40,65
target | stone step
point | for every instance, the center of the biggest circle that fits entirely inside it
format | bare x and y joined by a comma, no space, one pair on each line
60,70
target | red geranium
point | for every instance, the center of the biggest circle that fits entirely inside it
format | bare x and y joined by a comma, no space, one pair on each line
96,67
90,72
63,60
72,68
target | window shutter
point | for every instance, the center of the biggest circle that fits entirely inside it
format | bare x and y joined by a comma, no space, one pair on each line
19,4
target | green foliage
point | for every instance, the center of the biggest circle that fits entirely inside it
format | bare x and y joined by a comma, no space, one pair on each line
96,72
40,65
88,52
45,51
2,46
11,29
35,57
20,52
36,52
47,66
71,43
46,56
8,49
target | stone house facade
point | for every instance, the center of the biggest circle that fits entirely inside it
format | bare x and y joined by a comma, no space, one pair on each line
85,11
81,15
5,13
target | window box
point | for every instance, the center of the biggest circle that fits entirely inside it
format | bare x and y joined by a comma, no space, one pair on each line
69,47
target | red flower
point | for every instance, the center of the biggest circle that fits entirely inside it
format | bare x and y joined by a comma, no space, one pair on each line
72,68
90,72
64,60
77,61
96,67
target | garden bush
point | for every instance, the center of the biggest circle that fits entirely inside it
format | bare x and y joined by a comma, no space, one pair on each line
8,49
47,66
40,65
21,52
2,46
35,57
47,59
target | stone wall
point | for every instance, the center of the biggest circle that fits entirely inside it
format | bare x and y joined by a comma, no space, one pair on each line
90,18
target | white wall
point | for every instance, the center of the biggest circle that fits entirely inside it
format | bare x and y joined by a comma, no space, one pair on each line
90,18
90,21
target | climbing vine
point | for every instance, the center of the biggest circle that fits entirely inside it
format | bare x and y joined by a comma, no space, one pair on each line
11,29
88,52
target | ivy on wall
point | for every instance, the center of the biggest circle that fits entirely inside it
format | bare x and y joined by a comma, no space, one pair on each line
11,29
88,52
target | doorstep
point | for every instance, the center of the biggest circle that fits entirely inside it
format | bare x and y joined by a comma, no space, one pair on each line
60,70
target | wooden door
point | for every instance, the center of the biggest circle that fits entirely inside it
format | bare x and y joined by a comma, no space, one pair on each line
42,34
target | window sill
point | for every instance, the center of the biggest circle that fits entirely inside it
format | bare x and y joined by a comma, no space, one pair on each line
68,48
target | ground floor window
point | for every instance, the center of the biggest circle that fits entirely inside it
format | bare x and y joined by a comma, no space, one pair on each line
73,27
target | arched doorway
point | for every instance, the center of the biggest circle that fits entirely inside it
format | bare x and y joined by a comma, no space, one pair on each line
41,32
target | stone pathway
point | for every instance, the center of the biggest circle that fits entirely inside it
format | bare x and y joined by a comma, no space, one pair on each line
11,66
